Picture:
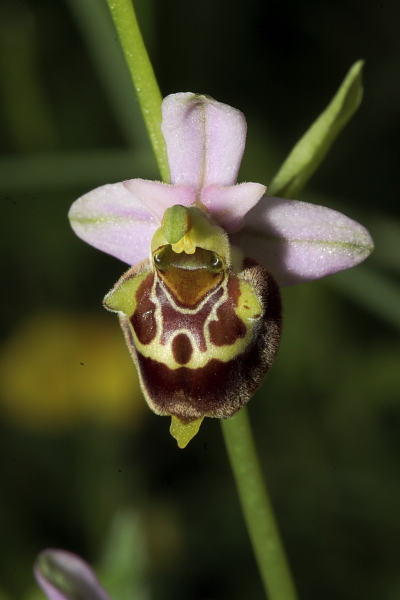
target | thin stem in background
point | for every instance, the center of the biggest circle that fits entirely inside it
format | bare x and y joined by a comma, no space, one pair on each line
257,508
143,77
98,32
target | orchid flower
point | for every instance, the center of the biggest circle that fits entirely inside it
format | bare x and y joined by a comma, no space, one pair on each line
65,576
200,307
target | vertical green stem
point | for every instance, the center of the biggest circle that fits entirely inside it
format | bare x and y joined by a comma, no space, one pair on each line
257,508
143,77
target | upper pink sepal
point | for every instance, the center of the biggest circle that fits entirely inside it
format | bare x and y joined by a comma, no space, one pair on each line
157,196
228,205
113,220
205,140
297,241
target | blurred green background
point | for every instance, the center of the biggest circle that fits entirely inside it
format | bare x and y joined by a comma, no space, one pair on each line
84,465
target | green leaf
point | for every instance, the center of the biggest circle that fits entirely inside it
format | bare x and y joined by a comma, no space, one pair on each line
311,149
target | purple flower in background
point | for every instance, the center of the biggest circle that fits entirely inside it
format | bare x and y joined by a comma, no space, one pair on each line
65,576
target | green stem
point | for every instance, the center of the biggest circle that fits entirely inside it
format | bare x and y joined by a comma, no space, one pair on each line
257,508
143,77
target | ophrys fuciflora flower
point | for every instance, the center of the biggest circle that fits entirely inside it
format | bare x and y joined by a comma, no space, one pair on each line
200,308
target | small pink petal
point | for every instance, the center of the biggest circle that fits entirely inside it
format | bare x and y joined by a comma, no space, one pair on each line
157,197
63,576
298,241
111,219
228,205
205,140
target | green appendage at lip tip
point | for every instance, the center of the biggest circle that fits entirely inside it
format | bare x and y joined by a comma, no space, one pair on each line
176,223
311,149
182,432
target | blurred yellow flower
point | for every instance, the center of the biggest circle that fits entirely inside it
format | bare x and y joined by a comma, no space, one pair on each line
58,370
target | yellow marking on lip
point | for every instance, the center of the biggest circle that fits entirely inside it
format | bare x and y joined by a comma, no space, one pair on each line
163,352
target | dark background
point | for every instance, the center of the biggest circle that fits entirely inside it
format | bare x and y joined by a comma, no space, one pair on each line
84,465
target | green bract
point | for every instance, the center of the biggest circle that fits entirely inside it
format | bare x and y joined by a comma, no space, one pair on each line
311,149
